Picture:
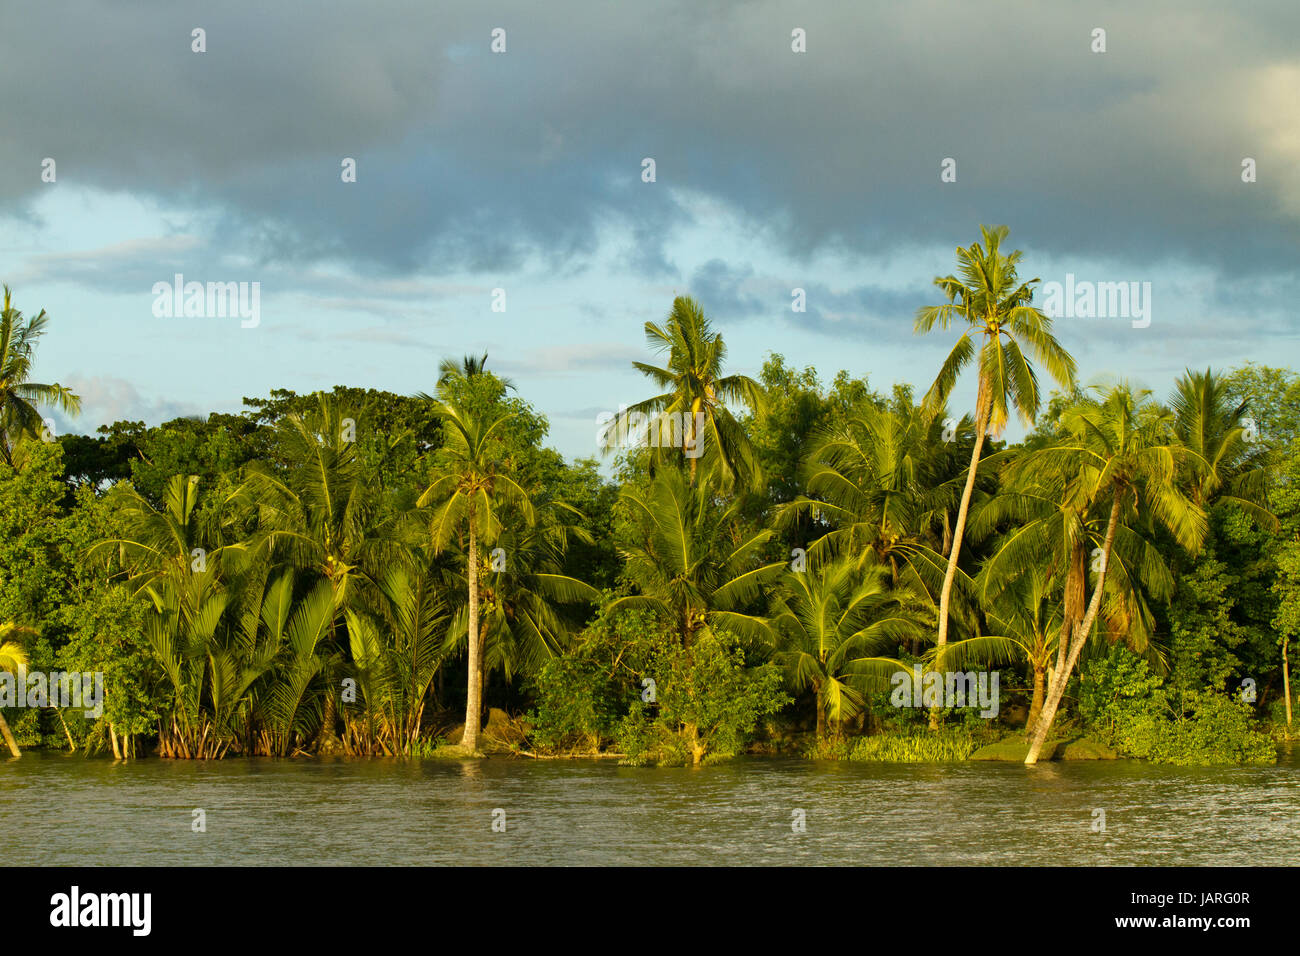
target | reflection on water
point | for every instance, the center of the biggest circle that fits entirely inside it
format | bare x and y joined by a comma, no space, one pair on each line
69,810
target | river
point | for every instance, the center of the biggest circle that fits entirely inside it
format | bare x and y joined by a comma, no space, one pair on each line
63,809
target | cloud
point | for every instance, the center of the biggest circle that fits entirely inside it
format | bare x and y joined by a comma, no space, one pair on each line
470,161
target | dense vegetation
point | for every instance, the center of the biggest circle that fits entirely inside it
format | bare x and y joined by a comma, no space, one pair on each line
368,573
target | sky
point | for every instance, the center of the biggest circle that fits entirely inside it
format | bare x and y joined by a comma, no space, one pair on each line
851,169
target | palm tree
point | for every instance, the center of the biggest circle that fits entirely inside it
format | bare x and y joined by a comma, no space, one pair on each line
995,305
1027,623
396,654
13,662
18,396
468,368
316,509
826,620
1124,457
688,561
695,392
470,487
1224,466
883,482
521,619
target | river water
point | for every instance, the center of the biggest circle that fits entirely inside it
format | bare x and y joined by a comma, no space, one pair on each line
68,810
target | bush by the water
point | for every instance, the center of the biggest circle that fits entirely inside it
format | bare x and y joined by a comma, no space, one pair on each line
1130,709
949,745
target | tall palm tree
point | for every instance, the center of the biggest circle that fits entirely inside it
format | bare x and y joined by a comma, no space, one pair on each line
13,661
827,619
995,305
522,621
1125,458
695,389
19,396
470,488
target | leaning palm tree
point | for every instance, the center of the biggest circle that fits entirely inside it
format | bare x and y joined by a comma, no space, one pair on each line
471,485
1124,458
13,663
829,618
19,396
995,305
695,396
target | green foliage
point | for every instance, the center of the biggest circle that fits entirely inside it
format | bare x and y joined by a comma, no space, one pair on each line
1130,709
949,745
708,703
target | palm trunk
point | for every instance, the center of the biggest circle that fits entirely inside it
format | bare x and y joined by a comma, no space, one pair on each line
1286,679
945,596
1036,704
474,698
1062,677
9,738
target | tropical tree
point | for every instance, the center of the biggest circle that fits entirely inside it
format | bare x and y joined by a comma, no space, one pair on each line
19,397
1124,459
396,653
13,663
996,307
882,482
695,396
827,619
685,555
315,508
470,488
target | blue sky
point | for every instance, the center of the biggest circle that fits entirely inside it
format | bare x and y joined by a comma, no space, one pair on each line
522,171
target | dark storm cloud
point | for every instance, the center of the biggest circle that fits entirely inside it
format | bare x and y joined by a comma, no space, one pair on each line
474,161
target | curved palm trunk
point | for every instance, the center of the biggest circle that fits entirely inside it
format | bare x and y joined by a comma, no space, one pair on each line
1286,680
1036,703
1080,637
474,699
950,575
9,738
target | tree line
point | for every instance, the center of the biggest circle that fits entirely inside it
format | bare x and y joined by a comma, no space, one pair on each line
361,572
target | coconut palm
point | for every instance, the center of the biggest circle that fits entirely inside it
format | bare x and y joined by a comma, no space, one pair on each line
1025,618
696,393
1225,465
689,562
1124,458
471,486
20,397
523,593
829,618
882,481
996,307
